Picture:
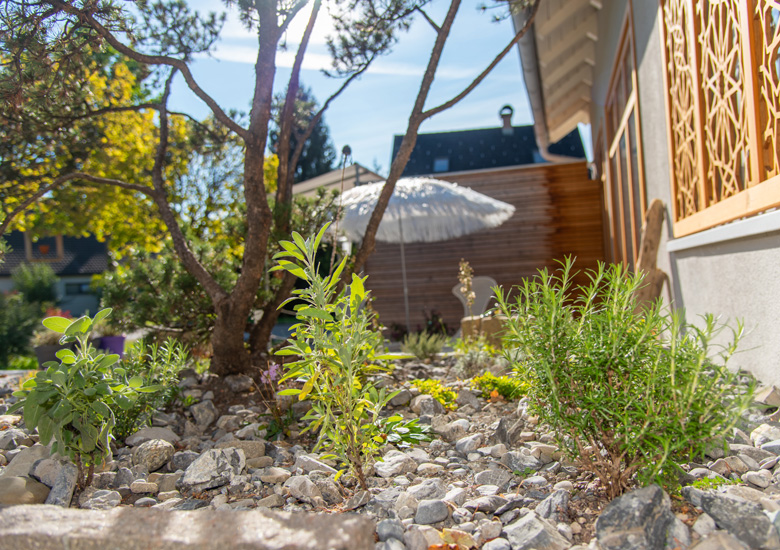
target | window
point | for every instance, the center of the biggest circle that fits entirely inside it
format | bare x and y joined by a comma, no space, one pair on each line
624,188
45,249
441,164
722,76
77,289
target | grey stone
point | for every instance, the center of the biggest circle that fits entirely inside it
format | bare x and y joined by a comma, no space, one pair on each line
493,476
509,430
147,434
555,507
64,484
421,537
425,405
390,529
760,479
205,413
140,487
457,496
13,438
485,504
361,498
153,454
309,464
46,470
304,489
518,462
534,482
54,528
772,446
167,482
144,502
214,468
429,489
704,525
765,433
755,453
274,475
273,501
102,500
719,540
181,460
745,520
469,443
431,511
395,463
22,464
390,544
497,544
328,489
124,477
678,535
239,383
466,398
252,449
637,520
190,504
22,490
401,399
532,532
229,423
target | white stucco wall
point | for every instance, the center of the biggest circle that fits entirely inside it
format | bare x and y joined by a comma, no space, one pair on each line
731,278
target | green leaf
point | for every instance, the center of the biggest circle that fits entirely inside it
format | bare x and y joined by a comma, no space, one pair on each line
78,326
307,387
150,389
299,240
45,429
315,313
102,314
101,408
319,236
295,269
290,391
57,324
124,402
136,382
89,392
59,378
66,356
107,361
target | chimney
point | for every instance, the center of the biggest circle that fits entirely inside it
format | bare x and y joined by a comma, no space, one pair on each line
506,113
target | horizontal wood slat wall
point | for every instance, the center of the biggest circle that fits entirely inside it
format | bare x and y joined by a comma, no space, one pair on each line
558,214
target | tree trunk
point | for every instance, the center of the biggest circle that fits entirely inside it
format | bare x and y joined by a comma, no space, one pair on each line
230,355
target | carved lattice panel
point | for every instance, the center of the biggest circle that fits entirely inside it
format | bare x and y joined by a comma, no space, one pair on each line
767,44
680,69
723,96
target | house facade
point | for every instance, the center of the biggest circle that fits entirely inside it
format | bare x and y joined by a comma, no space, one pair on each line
683,98
73,259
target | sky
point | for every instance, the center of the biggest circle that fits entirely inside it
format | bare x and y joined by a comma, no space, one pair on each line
376,107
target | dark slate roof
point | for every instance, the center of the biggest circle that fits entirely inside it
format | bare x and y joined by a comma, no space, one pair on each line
81,255
481,149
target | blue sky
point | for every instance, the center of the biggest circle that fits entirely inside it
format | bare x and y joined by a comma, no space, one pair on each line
376,107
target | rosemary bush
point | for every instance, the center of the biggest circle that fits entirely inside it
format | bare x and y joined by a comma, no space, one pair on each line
627,393
424,345
336,349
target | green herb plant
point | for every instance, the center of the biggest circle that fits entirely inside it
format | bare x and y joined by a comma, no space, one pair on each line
506,386
436,389
71,401
629,393
336,352
424,345
158,366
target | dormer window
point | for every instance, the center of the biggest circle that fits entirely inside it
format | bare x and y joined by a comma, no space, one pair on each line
45,249
441,164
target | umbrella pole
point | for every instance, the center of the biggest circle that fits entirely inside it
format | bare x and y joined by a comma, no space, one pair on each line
403,278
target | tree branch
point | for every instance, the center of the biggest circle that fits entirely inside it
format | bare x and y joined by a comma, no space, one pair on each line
293,12
478,80
178,64
430,21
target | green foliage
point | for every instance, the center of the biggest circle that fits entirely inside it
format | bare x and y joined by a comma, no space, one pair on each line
627,392
71,402
158,366
436,389
23,362
505,386
424,345
336,349
18,319
36,282
711,483
475,355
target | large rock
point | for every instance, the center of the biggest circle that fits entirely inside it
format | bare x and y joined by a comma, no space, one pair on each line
638,520
64,484
431,511
765,433
555,507
205,413
434,488
147,434
719,541
153,454
22,490
533,532
745,520
53,528
252,449
394,464
13,438
305,490
310,464
214,468
22,464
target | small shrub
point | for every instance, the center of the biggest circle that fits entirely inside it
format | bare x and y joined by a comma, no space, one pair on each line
441,393
627,393
157,366
70,403
505,386
424,345
18,319
336,351
36,282
475,355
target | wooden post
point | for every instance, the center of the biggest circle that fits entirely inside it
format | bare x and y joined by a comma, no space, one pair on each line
648,256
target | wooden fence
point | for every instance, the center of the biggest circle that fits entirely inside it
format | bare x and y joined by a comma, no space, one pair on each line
558,214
